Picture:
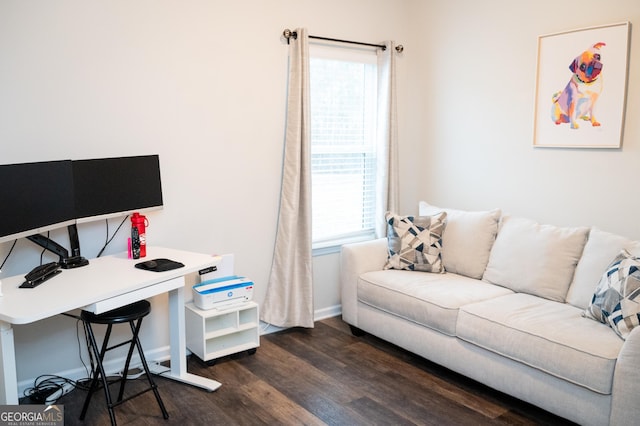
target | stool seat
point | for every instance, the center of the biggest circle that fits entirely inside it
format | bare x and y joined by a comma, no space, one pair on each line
130,314
127,313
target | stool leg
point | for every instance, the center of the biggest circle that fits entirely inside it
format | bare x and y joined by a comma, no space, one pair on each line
127,363
143,359
98,372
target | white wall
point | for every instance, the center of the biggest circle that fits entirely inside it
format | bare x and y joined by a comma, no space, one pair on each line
201,83
477,66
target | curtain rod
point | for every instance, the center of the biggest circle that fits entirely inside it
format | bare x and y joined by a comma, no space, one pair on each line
287,33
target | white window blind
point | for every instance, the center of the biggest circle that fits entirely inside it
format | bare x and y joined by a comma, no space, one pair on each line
343,148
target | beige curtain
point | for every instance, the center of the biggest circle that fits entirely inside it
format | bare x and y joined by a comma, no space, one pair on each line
387,180
289,298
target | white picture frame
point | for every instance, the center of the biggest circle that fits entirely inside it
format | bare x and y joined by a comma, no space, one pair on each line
582,108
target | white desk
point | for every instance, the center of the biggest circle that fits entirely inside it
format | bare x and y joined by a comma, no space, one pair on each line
106,283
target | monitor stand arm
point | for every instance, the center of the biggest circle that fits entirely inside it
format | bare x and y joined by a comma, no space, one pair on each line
66,261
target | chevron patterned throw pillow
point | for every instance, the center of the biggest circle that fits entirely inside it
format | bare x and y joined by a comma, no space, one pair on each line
415,243
616,301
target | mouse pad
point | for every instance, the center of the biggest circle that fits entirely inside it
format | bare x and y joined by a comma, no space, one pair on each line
159,265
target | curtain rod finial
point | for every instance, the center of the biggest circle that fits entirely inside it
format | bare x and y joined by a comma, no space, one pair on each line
287,33
399,48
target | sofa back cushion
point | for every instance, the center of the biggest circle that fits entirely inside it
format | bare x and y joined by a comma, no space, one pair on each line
536,259
467,239
598,253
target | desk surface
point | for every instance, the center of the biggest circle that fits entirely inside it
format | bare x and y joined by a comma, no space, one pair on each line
103,278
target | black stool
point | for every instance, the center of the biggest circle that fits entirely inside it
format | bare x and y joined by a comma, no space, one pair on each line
132,314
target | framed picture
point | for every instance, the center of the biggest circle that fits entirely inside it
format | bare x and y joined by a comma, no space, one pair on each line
581,86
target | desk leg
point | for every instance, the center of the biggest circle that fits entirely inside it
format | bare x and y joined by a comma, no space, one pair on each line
178,346
8,378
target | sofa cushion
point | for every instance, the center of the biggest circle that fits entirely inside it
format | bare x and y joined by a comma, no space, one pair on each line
467,238
549,336
415,243
537,259
431,300
616,301
600,248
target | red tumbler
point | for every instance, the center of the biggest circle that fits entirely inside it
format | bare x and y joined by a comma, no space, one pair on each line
140,222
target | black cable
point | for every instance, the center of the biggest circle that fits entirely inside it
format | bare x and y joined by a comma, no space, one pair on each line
8,254
106,237
84,384
46,385
86,369
45,248
108,240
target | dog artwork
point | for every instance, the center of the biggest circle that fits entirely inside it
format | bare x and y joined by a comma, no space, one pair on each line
577,100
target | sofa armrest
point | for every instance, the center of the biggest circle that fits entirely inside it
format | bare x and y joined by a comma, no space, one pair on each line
625,409
355,260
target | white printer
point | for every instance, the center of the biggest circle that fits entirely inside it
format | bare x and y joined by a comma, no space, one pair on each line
222,292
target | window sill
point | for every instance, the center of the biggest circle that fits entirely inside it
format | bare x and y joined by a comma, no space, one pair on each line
330,247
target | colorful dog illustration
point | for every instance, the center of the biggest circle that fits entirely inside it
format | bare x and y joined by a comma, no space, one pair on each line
581,93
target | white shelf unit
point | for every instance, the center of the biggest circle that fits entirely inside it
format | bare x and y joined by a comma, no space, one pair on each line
215,333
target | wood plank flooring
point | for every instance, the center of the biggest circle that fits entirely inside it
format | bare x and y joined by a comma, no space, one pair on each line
320,376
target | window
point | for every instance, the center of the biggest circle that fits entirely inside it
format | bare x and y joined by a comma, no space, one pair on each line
343,144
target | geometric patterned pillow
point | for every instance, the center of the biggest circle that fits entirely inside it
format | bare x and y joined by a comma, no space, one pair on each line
415,243
616,301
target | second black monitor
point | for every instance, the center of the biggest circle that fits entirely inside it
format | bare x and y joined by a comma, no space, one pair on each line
113,186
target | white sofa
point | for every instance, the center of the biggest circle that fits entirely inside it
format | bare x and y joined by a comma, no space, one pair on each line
508,312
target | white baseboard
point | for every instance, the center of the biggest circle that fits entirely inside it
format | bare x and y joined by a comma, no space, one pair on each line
330,312
319,315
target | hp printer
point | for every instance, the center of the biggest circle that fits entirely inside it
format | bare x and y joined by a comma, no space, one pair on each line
222,292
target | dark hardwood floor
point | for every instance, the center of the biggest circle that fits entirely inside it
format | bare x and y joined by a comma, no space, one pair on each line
315,377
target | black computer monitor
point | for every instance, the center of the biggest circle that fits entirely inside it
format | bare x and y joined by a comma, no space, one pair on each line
35,198
109,187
